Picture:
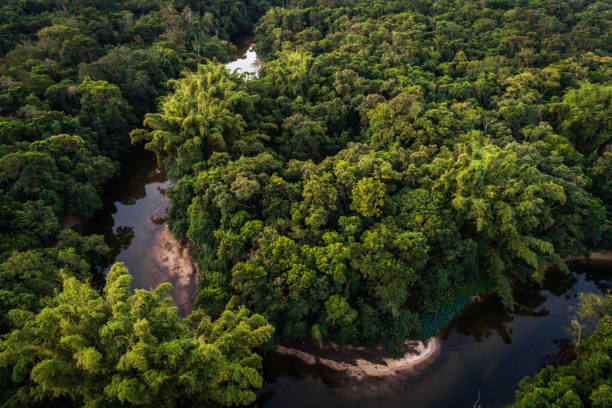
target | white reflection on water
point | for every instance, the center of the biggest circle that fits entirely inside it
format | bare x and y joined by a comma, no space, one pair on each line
248,63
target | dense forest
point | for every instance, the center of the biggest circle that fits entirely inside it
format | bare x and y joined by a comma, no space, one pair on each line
391,159
75,77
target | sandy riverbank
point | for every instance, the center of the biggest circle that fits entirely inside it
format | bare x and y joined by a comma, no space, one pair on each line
602,255
182,270
360,363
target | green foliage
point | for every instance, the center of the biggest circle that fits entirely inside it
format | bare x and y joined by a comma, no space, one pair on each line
75,78
390,159
204,115
367,197
121,349
584,117
105,112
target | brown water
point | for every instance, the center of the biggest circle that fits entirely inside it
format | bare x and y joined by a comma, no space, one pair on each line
485,349
132,221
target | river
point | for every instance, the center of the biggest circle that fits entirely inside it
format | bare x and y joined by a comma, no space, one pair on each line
134,211
485,350
132,221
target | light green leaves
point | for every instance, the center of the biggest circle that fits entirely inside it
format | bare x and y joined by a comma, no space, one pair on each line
367,197
134,349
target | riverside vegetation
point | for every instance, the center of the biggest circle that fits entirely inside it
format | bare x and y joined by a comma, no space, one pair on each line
390,160
75,77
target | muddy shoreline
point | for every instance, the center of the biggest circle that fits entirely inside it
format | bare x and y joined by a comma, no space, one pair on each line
174,257
359,363
182,271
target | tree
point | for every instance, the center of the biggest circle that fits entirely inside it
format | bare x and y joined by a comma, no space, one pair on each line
104,110
367,197
584,117
289,72
124,349
504,199
204,114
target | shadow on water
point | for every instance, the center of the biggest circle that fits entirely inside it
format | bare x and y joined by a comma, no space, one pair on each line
133,216
128,220
485,349
243,42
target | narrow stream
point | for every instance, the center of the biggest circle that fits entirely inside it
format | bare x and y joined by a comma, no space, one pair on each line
133,217
485,350
133,222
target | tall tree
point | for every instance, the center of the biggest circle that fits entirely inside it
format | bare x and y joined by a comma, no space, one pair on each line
121,349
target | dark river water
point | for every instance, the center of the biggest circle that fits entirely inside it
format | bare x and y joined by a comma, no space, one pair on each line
485,349
135,206
131,219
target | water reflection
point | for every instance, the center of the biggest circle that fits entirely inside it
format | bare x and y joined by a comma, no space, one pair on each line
122,239
132,204
485,349
564,354
134,213
248,62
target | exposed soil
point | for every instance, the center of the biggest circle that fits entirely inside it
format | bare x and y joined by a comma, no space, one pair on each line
183,273
363,363
360,362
